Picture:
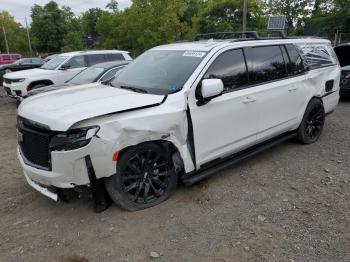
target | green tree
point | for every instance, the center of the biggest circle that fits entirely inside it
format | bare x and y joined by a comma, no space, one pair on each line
89,20
227,15
113,5
48,27
15,34
73,41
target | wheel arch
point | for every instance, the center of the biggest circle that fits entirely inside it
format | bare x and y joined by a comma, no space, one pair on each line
46,82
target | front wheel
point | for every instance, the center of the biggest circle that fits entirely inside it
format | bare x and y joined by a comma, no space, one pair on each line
312,124
145,177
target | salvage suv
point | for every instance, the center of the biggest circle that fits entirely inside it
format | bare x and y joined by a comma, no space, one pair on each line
58,70
179,111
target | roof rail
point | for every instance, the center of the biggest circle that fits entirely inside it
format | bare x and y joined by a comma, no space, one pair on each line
228,35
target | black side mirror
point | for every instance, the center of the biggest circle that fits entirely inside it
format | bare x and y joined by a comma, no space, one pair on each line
64,67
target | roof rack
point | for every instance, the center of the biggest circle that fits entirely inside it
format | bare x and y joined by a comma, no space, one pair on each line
227,35
243,36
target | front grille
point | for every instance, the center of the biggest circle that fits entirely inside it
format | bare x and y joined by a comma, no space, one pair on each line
8,90
7,81
344,82
34,144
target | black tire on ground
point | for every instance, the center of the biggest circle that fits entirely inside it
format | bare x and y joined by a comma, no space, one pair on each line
145,177
312,124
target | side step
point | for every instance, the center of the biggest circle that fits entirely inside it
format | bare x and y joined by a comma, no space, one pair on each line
196,176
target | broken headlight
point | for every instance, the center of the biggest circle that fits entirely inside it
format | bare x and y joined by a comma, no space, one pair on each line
73,139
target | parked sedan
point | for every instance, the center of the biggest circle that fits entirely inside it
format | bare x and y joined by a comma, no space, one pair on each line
103,72
21,64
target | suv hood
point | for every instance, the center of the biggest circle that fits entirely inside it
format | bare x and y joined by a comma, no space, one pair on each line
61,109
30,73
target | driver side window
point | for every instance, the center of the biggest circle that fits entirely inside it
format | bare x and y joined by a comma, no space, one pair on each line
110,74
231,68
76,62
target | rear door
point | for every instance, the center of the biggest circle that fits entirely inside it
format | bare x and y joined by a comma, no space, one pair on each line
279,94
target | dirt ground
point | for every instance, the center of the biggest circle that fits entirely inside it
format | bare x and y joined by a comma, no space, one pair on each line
291,203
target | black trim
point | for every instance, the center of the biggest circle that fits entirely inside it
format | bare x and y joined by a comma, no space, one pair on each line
190,137
99,192
327,94
218,164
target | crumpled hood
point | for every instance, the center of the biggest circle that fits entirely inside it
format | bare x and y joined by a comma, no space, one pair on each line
61,109
36,72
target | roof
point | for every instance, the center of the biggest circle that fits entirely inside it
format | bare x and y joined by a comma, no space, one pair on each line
108,65
89,52
210,44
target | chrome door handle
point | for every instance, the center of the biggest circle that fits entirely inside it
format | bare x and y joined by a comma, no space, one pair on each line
249,100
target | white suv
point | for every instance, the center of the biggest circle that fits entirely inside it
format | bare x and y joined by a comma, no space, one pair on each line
58,70
179,111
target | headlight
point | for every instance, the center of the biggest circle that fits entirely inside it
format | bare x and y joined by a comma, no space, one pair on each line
73,139
347,76
17,80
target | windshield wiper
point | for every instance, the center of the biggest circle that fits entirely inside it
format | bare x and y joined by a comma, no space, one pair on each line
135,89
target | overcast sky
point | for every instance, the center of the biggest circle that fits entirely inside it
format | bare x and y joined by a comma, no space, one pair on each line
21,8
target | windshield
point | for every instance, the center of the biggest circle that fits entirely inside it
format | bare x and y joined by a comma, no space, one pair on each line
159,71
87,76
54,62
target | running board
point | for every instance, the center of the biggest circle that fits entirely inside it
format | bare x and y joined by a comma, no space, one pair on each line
196,176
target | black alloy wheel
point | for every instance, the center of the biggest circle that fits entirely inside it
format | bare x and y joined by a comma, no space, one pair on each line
145,177
312,124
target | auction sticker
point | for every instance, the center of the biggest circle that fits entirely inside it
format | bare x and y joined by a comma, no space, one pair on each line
194,54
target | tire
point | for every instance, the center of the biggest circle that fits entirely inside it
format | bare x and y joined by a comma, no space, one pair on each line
145,177
312,124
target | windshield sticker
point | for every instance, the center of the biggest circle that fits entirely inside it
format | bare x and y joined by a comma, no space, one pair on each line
194,54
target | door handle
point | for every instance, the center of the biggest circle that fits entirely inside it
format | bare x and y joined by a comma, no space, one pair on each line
292,89
249,100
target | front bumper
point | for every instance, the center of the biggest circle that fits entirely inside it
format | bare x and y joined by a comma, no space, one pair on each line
15,90
41,189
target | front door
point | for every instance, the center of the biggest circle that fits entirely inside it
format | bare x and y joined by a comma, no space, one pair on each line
227,123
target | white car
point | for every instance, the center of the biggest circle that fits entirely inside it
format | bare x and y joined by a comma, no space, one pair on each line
179,111
58,70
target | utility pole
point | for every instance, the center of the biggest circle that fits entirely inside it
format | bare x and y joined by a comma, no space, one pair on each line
4,32
29,43
245,11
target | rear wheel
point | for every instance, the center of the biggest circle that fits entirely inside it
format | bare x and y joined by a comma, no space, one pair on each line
312,124
145,177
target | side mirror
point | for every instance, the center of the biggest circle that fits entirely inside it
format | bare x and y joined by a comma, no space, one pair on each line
209,89
64,67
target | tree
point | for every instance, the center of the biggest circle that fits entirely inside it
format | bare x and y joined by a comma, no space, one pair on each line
73,41
48,27
227,15
294,10
113,5
15,34
89,20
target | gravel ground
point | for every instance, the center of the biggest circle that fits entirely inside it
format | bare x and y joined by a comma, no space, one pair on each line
290,203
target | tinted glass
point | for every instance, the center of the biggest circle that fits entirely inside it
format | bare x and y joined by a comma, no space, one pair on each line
110,74
96,59
317,56
115,57
267,64
25,61
231,68
6,57
54,63
295,63
37,61
87,76
16,57
160,71
76,62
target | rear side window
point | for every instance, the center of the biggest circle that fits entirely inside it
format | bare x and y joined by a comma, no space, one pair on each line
16,57
110,74
115,57
6,57
267,64
77,62
295,64
96,59
231,68
317,56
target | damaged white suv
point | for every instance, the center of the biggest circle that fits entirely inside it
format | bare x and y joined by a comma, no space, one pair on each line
179,111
